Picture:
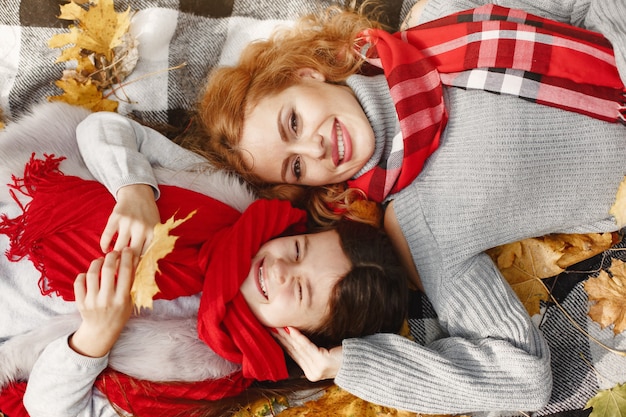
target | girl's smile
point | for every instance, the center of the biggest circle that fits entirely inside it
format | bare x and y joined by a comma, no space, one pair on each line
312,133
291,279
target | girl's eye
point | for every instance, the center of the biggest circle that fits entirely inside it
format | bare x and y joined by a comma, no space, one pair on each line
297,168
297,250
300,291
293,122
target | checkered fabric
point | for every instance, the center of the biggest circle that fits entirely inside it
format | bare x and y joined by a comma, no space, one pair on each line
203,33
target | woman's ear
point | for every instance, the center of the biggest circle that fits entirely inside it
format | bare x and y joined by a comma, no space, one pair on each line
311,73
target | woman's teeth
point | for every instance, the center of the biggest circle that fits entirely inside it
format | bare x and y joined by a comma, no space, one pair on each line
262,282
340,144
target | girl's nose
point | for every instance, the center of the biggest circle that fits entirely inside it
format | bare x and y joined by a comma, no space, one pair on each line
280,271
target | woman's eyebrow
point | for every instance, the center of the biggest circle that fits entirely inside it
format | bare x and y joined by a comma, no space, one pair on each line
284,139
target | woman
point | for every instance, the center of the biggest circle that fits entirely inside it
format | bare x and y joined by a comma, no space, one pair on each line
251,283
501,169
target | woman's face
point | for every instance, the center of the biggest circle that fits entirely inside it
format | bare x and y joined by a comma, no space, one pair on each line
291,279
313,133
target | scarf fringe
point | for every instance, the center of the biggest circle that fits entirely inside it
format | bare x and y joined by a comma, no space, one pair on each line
36,173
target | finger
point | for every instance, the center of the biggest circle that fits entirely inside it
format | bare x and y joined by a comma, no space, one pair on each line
80,288
109,232
138,244
122,241
126,272
92,281
107,276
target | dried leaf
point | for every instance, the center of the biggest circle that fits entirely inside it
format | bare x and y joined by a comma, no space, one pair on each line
98,29
83,94
607,292
104,51
609,402
337,402
524,263
145,287
618,210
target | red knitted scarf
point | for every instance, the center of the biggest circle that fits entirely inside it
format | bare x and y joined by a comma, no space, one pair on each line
59,232
492,48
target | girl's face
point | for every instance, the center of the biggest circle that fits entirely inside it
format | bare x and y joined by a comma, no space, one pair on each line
291,279
312,133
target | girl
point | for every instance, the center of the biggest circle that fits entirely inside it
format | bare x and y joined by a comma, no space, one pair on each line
482,170
250,286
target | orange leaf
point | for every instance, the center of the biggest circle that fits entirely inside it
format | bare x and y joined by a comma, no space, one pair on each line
523,264
607,293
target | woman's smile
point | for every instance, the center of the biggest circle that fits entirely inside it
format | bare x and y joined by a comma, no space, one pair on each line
321,135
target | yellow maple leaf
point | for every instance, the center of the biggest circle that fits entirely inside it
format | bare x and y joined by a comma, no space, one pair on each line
83,94
618,210
524,263
98,29
145,287
609,402
104,51
607,293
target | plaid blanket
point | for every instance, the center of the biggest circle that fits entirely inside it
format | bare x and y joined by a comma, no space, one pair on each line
206,33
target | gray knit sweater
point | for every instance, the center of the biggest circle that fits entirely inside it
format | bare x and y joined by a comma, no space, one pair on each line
506,170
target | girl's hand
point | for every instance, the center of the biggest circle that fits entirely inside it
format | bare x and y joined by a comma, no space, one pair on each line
317,363
132,220
104,302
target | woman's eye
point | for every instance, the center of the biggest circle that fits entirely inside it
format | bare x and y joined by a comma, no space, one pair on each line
297,168
293,122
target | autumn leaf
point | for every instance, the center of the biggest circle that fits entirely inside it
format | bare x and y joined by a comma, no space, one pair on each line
618,210
338,402
607,293
83,94
524,263
145,287
609,402
99,28
102,47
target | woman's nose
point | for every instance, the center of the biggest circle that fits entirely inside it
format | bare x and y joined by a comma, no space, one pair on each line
313,147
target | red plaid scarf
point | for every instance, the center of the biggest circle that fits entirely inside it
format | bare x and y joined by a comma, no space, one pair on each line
492,48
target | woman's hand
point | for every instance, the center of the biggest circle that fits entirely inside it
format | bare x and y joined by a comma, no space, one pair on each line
104,302
132,220
317,363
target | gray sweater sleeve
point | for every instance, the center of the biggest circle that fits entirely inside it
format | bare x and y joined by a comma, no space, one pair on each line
494,358
119,151
61,384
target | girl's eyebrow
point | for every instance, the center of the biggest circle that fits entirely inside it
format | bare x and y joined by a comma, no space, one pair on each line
309,289
284,139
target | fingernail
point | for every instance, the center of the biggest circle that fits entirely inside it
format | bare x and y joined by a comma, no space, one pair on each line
287,330
273,330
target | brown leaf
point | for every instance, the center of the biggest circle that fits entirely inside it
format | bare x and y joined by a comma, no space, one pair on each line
83,94
145,287
104,51
523,264
607,293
